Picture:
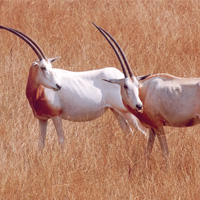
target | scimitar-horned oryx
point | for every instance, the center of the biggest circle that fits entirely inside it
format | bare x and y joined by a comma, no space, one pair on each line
167,101
78,96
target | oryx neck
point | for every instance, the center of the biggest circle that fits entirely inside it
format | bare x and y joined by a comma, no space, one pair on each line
32,85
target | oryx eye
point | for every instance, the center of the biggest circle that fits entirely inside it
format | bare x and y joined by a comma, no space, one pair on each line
125,86
43,68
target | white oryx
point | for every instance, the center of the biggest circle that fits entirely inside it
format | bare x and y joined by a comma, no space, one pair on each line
167,101
79,96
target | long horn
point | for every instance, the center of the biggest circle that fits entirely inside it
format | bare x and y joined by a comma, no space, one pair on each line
122,53
36,45
118,56
26,40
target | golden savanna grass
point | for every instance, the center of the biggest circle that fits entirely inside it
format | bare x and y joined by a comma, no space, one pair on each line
98,161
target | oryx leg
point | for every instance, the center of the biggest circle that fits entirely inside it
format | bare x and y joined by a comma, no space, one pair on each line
123,123
134,122
60,133
151,140
42,133
163,142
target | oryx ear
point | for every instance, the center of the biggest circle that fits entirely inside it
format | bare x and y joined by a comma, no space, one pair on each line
53,59
115,81
141,78
36,63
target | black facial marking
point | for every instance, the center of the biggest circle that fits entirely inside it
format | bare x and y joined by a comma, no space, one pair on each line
125,86
43,68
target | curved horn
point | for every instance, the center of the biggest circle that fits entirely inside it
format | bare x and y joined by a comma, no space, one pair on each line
36,45
25,39
118,56
122,53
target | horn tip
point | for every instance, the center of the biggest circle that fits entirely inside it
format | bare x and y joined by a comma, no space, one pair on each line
94,24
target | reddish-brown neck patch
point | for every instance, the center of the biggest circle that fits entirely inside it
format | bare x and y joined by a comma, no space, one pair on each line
143,117
36,96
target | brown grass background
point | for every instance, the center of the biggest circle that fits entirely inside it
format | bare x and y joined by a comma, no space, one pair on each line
98,161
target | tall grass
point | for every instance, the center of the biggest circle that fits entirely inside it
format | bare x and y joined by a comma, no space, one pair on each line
98,161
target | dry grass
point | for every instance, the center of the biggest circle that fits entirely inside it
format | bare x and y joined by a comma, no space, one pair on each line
98,162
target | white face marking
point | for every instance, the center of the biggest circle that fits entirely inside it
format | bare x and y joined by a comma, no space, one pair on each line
46,77
130,93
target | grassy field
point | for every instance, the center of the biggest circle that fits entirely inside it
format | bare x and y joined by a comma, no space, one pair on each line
98,162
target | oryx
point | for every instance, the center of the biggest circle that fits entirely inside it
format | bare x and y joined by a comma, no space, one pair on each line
79,96
167,101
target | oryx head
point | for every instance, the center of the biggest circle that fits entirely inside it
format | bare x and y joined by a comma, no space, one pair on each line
44,74
129,85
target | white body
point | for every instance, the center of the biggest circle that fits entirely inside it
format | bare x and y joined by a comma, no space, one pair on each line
79,96
83,96
168,101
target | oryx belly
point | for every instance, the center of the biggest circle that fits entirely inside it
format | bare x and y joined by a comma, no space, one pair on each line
83,105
